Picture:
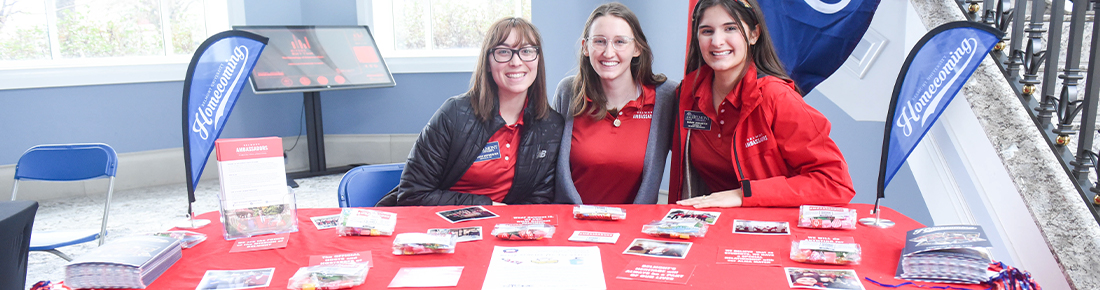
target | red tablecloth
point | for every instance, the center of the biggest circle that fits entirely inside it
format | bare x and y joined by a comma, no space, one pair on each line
881,248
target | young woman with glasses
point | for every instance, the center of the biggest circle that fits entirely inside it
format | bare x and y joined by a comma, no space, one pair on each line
497,143
745,136
618,115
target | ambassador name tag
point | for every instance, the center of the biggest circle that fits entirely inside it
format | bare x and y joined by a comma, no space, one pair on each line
490,152
696,120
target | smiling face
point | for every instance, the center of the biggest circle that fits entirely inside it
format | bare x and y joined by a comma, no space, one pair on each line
609,62
515,76
723,47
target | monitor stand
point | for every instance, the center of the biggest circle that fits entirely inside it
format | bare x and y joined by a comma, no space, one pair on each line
315,139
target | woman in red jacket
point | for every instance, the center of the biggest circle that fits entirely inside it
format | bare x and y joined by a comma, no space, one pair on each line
757,143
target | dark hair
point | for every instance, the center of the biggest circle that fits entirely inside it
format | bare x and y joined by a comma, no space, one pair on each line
587,82
483,89
742,11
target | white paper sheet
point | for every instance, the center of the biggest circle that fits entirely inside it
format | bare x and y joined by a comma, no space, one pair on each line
426,277
533,268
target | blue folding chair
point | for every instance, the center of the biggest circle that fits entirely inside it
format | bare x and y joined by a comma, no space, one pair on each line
67,162
365,185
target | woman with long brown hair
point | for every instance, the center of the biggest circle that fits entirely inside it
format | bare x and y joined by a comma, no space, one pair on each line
746,137
497,143
618,115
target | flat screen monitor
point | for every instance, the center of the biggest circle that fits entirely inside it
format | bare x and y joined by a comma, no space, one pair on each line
317,58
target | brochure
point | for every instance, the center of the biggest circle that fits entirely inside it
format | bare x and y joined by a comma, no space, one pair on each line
538,268
255,199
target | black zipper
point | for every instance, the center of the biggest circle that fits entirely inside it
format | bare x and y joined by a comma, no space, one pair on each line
745,189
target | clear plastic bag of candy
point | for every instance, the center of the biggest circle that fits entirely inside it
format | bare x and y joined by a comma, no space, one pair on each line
187,238
604,213
522,232
338,276
818,251
676,229
421,243
826,217
365,222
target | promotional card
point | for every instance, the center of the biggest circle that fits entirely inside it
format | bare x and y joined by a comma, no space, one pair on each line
466,214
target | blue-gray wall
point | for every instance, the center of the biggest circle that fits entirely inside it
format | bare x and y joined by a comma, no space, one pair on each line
146,116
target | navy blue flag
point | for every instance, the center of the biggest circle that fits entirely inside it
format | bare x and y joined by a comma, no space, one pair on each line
934,72
815,37
217,72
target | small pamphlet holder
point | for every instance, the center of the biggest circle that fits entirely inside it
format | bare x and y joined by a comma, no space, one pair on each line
254,198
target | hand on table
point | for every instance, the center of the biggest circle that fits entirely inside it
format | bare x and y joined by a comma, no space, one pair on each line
728,198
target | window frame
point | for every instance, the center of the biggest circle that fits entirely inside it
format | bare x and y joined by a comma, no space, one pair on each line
114,70
425,61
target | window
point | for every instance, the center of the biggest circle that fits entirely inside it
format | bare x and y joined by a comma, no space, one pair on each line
121,41
437,35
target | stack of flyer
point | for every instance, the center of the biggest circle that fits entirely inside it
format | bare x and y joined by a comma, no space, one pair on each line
128,262
255,199
946,254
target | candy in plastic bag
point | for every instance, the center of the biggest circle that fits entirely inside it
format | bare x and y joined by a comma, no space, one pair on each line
421,243
605,213
826,217
338,276
523,232
676,229
365,222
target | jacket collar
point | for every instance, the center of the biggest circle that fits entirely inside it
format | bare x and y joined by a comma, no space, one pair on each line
749,94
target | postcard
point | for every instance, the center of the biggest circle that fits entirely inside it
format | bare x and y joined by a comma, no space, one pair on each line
326,221
464,234
236,279
466,214
823,278
760,227
660,249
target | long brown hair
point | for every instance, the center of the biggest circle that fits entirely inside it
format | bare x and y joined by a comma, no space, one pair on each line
743,11
483,89
587,82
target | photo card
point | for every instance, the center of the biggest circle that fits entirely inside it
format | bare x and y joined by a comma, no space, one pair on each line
326,221
236,279
660,249
466,214
761,227
464,234
823,278
709,217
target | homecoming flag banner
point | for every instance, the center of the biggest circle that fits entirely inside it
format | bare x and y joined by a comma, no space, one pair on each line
934,72
217,72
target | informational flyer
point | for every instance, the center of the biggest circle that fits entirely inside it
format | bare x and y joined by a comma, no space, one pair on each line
254,196
543,268
755,257
252,172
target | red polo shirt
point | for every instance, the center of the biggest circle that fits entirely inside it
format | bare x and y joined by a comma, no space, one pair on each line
493,170
710,149
606,159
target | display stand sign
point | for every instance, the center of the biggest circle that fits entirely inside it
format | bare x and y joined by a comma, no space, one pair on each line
254,197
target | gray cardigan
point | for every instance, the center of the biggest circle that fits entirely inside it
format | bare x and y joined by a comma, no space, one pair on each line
656,151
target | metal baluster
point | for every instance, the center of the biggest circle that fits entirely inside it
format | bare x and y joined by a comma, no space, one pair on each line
1088,119
1050,73
1067,104
972,9
1033,55
1015,55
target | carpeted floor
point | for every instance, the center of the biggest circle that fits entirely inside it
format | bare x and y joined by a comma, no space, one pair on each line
145,210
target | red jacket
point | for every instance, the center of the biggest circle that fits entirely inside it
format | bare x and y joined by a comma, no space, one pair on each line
782,148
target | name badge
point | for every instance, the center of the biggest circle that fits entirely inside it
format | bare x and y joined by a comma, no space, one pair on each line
696,120
490,152
644,115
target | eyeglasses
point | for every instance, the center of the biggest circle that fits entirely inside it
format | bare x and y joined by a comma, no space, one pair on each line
619,42
501,54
